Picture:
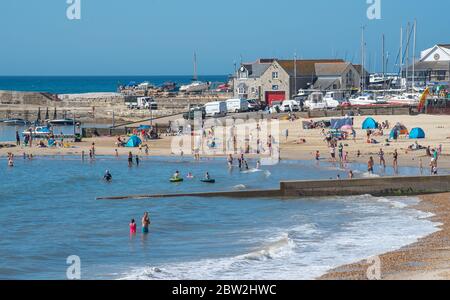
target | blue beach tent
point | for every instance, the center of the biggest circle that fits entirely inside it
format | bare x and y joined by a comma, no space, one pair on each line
133,142
339,123
369,123
417,133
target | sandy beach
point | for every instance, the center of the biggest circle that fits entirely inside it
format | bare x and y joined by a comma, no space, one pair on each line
437,129
428,258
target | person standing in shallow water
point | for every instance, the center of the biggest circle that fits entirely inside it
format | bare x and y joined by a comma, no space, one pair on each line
17,138
133,227
145,222
130,159
137,160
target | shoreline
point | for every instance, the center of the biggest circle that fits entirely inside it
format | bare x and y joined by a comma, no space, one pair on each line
426,259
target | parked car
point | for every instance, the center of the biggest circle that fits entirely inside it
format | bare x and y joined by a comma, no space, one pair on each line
190,115
290,106
253,105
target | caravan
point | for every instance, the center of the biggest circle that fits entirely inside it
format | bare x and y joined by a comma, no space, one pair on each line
216,109
237,105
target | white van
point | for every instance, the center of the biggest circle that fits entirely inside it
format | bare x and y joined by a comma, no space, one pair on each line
290,105
216,109
237,105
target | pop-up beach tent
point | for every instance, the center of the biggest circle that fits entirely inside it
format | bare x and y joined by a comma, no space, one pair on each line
369,123
133,142
417,133
339,123
400,129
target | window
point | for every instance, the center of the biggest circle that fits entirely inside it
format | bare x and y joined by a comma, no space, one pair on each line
274,75
243,75
275,87
241,91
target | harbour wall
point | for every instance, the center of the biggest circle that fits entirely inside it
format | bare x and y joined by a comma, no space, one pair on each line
380,186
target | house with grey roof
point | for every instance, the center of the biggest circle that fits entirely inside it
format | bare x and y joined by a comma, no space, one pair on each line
433,67
269,80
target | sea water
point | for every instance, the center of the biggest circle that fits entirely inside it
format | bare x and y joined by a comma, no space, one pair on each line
90,84
49,211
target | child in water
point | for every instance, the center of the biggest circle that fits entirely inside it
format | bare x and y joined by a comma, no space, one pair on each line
189,175
133,227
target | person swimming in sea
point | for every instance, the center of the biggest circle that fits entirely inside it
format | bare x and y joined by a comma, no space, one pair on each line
189,175
145,222
107,177
258,165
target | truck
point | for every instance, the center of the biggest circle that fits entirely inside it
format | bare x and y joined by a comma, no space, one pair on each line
142,103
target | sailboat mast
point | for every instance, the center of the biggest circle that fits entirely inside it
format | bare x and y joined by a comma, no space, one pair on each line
195,67
414,55
401,57
407,54
383,62
295,73
363,79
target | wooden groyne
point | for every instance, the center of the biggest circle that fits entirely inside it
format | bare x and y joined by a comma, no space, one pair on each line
380,186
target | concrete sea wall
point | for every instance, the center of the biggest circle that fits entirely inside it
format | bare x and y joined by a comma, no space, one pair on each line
382,186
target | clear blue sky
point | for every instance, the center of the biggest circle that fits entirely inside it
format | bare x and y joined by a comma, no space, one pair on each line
158,37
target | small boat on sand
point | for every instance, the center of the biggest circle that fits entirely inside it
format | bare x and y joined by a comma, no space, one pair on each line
38,131
61,122
15,122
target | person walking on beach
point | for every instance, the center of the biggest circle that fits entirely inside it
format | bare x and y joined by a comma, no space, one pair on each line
31,137
130,159
116,153
133,227
333,153
17,138
145,223
350,174
354,134
395,161
382,160
341,151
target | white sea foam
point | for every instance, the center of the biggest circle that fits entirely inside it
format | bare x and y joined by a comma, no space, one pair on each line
306,251
239,187
254,170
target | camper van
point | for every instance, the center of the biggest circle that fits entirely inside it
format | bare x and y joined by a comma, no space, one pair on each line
237,105
216,109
